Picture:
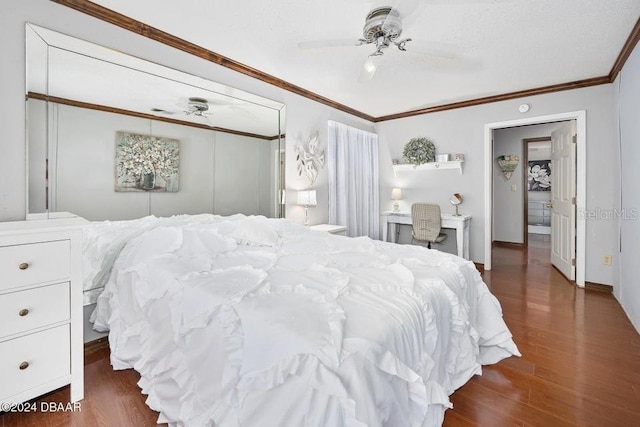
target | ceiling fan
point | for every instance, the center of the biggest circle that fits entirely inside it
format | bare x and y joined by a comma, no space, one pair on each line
195,106
383,28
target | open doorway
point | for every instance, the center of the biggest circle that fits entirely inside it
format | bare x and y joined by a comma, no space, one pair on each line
521,195
507,222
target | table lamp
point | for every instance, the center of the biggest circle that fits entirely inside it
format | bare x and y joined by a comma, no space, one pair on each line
396,194
307,198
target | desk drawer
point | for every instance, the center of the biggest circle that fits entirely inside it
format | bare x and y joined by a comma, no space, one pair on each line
33,308
33,360
34,263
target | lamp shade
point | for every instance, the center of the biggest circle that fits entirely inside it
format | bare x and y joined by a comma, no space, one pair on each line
396,194
307,198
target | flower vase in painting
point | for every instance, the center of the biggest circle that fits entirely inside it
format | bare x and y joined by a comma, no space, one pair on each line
148,181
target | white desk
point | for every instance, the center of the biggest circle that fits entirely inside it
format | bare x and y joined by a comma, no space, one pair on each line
459,223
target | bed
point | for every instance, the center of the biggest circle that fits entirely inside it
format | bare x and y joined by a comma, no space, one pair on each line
249,321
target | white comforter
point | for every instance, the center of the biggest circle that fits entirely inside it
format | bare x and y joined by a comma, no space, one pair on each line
246,321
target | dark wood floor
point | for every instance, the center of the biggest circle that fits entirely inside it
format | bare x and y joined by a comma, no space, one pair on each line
580,363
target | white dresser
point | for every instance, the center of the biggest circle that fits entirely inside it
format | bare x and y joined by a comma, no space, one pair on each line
41,345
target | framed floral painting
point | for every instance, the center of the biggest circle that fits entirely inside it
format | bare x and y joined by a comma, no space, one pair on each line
146,163
539,175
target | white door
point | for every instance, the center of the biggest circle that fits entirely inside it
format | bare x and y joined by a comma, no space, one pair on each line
563,202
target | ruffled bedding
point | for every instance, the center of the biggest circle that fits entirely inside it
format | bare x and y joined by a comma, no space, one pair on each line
248,321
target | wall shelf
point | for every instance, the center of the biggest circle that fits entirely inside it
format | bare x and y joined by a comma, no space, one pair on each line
453,164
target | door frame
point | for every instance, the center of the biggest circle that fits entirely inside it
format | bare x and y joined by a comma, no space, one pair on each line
581,181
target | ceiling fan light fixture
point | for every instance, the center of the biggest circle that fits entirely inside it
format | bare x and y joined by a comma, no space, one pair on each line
370,65
197,106
382,22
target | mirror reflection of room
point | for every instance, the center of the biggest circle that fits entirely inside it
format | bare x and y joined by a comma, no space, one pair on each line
116,137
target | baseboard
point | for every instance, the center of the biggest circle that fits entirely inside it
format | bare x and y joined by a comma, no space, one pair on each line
96,345
598,287
479,266
508,244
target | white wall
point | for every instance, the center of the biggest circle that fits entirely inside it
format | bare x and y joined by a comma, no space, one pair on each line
243,178
462,130
508,208
627,87
303,115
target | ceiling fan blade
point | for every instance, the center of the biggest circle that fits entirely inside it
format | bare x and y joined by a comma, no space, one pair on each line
158,110
434,49
369,68
317,44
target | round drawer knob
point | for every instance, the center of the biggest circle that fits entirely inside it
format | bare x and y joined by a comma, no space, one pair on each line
23,266
24,365
23,312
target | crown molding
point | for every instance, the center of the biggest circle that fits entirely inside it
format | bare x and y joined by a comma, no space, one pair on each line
628,47
496,98
123,21
100,12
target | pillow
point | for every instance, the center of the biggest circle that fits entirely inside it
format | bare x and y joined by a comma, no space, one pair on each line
252,232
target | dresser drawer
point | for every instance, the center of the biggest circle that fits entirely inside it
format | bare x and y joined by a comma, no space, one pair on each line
33,360
34,263
33,308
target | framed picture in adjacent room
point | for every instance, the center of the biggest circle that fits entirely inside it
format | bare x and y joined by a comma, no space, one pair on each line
539,175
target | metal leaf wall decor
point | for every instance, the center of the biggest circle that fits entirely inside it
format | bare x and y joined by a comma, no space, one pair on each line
310,158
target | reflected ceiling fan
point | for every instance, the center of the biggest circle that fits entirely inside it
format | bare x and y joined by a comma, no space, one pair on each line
195,106
201,107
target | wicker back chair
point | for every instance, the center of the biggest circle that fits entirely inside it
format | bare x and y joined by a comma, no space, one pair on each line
426,223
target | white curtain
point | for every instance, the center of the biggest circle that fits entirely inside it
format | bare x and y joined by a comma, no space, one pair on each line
352,162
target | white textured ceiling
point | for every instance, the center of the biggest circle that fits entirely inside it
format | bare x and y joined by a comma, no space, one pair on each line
503,45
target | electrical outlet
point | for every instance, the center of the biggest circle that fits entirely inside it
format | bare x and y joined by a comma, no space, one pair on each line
514,188
606,260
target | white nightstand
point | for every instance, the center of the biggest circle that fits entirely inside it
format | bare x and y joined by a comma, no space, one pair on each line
329,228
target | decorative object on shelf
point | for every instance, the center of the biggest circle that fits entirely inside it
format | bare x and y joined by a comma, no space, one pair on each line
146,163
508,164
310,158
455,200
418,151
459,156
307,198
396,194
442,158
395,161
539,175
